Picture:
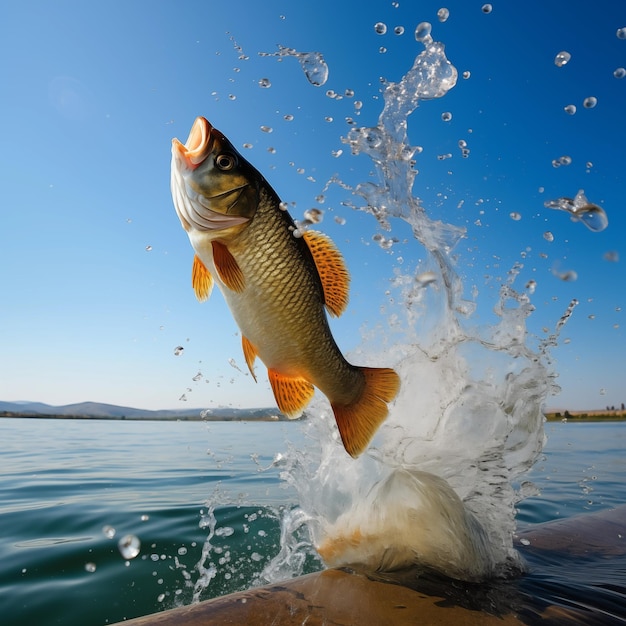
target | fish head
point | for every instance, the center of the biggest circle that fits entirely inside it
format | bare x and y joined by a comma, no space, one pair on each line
213,187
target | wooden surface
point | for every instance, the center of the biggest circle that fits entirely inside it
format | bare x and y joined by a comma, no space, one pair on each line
345,597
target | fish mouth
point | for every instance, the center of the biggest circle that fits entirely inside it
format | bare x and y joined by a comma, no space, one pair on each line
198,145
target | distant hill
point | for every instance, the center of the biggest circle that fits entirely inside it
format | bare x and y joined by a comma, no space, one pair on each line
98,410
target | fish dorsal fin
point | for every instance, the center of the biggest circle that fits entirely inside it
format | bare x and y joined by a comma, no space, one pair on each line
332,271
201,279
292,393
227,267
249,353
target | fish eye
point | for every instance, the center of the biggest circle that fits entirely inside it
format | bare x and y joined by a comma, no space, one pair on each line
225,161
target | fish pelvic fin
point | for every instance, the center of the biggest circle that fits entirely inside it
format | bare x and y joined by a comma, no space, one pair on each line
201,279
292,393
332,271
359,421
250,354
227,267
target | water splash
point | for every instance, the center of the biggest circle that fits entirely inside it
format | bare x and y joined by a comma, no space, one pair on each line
581,210
313,64
468,419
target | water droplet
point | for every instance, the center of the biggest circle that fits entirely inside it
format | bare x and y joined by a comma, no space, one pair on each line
315,68
144,518
349,93
340,220
466,74
567,276
283,206
591,215
531,285
590,102
90,567
255,556
426,278
446,116
380,28
525,542
336,153
129,546
265,83
548,236
399,30
621,33
443,14
515,216
314,216
224,531
462,143
267,129
620,72
486,8
182,551
562,58
570,109
422,33
612,256
178,350
148,248
232,96
565,160
108,531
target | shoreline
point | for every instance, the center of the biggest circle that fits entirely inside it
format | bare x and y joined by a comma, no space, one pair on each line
276,416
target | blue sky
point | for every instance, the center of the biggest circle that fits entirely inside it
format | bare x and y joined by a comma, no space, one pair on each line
95,268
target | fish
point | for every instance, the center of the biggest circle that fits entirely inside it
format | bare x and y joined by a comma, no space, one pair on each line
279,284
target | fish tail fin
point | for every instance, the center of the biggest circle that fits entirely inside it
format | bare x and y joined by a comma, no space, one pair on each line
359,421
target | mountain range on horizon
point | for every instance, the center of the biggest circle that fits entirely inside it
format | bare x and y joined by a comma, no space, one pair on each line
102,410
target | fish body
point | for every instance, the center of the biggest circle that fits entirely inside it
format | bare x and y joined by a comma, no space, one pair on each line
277,285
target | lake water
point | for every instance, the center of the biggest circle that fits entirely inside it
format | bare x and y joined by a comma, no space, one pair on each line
65,485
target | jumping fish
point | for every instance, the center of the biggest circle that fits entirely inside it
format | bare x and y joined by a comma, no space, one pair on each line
276,283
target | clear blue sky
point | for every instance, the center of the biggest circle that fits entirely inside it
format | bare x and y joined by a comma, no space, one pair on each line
95,268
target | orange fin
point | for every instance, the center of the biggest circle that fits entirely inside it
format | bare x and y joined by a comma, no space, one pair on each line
292,393
357,422
227,267
201,279
249,353
332,271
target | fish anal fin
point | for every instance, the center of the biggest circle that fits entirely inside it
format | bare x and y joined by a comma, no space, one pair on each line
201,279
227,267
249,353
292,393
359,421
332,271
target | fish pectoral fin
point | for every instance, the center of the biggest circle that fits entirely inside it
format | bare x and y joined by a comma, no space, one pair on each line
250,354
332,271
201,279
227,267
292,393
359,421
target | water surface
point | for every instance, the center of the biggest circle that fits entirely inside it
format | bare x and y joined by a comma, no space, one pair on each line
174,484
